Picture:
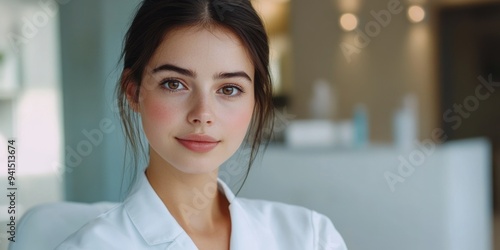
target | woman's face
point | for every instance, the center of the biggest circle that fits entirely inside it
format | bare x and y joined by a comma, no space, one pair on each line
196,99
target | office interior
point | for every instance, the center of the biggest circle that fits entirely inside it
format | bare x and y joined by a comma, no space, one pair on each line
386,118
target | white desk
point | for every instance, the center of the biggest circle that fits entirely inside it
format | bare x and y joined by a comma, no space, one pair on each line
445,204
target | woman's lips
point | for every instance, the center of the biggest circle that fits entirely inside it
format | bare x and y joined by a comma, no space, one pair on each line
198,143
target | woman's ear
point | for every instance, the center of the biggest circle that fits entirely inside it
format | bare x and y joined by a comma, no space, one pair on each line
131,90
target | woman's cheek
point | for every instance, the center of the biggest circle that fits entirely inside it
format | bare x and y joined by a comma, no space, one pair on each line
239,121
160,111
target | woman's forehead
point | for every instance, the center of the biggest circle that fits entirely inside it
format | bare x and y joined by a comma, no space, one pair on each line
195,47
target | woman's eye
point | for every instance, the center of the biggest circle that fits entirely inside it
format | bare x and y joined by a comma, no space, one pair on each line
173,85
230,90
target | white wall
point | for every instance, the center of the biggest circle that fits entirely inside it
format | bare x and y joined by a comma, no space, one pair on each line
31,104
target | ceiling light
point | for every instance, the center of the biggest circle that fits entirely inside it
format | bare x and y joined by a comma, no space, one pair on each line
348,21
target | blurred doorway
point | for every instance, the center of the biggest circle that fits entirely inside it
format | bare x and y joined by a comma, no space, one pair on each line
469,50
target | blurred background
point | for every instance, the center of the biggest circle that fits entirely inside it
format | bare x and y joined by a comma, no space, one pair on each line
387,110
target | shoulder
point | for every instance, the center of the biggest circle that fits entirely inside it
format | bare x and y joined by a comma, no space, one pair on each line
326,235
277,210
295,221
111,230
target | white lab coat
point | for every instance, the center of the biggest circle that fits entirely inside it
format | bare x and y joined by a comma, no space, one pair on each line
143,222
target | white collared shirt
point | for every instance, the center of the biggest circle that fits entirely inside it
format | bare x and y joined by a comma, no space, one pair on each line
142,221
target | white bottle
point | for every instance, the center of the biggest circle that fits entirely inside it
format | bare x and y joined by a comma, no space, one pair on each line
322,101
405,123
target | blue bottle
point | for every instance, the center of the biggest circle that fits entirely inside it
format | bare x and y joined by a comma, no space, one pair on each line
361,130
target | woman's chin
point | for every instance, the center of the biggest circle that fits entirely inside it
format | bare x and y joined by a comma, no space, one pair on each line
197,167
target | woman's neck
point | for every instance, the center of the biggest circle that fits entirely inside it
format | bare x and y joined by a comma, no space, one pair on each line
192,199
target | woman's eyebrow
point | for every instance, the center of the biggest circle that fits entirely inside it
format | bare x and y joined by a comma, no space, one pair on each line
226,75
192,74
170,67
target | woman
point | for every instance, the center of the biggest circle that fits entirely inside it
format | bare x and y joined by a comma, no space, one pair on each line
196,72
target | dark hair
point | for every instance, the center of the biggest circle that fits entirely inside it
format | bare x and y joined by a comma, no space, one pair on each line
155,18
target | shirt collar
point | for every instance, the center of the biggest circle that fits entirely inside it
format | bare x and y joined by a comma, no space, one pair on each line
226,191
152,218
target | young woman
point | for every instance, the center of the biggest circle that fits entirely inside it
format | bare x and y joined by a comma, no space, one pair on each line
196,73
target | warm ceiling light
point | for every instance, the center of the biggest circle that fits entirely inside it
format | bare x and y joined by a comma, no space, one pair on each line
348,21
416,13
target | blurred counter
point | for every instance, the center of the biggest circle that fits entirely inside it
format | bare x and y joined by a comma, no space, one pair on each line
383,198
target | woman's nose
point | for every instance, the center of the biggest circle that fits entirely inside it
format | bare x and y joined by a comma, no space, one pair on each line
201,112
